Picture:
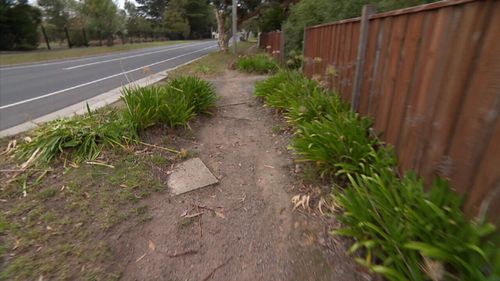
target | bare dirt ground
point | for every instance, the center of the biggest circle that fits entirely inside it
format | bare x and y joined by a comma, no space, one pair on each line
242,228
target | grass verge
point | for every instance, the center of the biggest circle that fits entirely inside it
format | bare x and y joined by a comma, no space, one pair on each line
213,64
40,56
399,230
83,177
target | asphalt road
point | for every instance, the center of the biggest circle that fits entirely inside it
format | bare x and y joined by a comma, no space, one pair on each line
33,90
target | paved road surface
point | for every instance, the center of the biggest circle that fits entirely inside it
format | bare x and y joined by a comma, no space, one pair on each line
34,90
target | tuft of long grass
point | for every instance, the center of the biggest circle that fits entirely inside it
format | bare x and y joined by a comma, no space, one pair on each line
257,63
173,104
339,144
199,93
84,136
401,230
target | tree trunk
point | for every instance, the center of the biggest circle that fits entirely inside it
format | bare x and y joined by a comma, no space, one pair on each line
223,40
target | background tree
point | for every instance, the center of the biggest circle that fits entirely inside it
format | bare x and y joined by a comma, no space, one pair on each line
19,23
103,17
176,21
312,12
201,18
152,9
136,23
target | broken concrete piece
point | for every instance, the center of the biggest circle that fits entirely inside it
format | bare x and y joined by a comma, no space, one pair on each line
190,175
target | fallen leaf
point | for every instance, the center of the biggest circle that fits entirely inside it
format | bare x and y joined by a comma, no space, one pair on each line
140,258
269,166
151,245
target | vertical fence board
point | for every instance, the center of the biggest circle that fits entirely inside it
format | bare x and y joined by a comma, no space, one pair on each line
431,81
389,75
408,58
369,65
412,119
453,89
479,112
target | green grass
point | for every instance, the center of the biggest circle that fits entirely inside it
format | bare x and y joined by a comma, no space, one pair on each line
211,65
260,63
39,56
67,220
173,103
83,136
400,230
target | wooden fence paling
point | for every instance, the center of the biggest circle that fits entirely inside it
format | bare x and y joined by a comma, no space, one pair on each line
429,76
273,43
368,10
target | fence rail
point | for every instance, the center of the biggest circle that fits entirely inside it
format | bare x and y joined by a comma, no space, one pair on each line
429,76
273,44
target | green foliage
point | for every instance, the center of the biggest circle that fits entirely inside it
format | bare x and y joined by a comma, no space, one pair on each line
258,63
313,12
173,104
339,144
200,93
103,17
284,88
402,229
402,232
19,26
84,136
176,20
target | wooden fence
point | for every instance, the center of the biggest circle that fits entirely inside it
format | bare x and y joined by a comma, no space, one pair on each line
273,43
429,76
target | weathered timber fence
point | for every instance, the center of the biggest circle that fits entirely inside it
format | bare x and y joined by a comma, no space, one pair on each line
273,43
430,79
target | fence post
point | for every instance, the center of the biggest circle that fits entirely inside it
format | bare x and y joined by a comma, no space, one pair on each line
86,42
368,10
67,37
304,38
282,46
45,37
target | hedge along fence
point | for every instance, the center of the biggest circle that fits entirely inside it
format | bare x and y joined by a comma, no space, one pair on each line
429,76
274,44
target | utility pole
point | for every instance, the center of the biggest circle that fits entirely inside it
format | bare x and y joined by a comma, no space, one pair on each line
234,26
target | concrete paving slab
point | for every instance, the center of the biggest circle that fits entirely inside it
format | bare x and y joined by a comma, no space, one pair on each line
190,175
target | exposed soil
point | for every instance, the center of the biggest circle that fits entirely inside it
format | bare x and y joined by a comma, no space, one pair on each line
243,228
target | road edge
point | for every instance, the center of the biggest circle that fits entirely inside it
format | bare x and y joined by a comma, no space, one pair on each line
94,103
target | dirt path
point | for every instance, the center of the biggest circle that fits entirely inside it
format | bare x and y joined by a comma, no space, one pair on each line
247,230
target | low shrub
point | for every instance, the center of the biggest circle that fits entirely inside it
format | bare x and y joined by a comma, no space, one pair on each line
285,88
318,104
174,103
405,233
339,144
142,106
84,136
258,63
200,93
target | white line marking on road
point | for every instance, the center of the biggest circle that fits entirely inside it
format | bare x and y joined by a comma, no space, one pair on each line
71,60
101,79
132,56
